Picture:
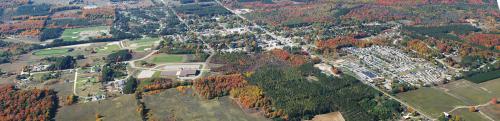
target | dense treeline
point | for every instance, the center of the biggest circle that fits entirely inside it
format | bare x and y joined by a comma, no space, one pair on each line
486,73
11,49
484,76
217,86
250,97
33,10
27,105
302,98
130,85
111,71
51,33
73,22
448,32
202,10
121,55
5,57
61,63
64,8
156,85
60,42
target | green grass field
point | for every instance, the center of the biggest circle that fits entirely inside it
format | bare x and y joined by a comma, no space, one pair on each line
48,52
122,108
74,34
430,100
187,107
165,58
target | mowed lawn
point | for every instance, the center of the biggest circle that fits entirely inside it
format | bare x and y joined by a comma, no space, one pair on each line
468,92
122,108
48,52
74,34
189,107
430,100
167,58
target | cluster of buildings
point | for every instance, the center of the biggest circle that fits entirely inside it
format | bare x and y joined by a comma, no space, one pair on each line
377,62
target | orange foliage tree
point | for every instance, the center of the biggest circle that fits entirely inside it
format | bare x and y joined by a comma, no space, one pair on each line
27,105
216,86
488,40
419,46
249,96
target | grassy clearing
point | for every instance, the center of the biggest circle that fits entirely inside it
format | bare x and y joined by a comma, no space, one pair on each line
48,52
74,34
165,58
432,101
88,86
468,92
466,115
172,103
122,108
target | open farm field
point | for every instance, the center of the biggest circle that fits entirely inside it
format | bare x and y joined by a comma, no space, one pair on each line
189,107
431,100
492,111
468,92
466,115
492,87
122,108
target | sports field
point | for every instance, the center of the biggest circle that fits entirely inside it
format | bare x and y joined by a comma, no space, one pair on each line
431,100
166,58
76,34
48,52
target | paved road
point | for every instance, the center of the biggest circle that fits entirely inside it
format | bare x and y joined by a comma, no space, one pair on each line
74,82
